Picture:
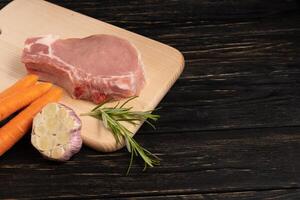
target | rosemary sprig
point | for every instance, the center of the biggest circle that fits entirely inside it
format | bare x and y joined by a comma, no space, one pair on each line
113,118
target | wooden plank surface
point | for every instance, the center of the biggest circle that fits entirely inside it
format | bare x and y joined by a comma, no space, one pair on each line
230,125
163,64
207,162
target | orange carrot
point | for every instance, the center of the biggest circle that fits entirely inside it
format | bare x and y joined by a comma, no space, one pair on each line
19,100
25,82
16,128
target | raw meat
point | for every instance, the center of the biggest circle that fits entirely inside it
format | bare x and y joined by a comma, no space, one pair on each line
93,68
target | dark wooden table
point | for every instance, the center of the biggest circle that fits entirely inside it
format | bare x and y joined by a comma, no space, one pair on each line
230,126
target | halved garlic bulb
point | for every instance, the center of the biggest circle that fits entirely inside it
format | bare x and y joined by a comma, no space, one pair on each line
56,132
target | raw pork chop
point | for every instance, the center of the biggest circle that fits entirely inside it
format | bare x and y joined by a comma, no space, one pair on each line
93,68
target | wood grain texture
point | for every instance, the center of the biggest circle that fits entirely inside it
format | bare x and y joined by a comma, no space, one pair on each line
162,64
209,162
230,125
292,194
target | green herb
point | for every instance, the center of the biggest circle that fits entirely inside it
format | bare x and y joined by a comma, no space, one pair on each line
114,118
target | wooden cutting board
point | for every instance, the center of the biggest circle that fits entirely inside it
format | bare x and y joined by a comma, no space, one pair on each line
26,18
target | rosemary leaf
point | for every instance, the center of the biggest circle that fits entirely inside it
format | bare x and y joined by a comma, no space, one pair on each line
112,118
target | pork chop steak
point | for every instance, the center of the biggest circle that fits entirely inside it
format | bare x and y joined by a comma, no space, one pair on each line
93,68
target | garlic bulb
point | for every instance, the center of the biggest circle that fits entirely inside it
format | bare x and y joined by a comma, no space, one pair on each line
56,132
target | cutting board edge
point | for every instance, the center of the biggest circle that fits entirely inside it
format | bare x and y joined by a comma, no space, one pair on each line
112,146
178,68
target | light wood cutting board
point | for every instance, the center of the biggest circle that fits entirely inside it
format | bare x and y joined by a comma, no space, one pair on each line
26,18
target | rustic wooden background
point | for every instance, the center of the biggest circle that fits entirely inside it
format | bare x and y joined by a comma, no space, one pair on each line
230,126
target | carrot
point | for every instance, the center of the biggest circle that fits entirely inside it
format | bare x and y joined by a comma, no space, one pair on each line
25,82
19,100
16,128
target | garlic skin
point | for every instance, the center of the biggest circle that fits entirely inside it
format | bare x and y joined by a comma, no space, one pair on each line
56,132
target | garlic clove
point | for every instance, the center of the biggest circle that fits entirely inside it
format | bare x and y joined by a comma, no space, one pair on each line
56,132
